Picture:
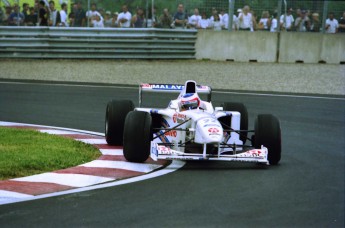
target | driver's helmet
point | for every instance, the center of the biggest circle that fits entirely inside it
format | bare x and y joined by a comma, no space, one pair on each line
189,101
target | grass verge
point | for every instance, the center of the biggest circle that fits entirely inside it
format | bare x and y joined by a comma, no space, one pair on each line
26,152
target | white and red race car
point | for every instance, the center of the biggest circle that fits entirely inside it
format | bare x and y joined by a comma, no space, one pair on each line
191,128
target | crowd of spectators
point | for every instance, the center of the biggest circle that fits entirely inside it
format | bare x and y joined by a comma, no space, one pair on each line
44,13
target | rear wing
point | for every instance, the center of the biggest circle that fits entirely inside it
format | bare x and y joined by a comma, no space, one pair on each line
171,88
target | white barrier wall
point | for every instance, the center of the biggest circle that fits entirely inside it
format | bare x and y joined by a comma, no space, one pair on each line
311,47
239,46
245,46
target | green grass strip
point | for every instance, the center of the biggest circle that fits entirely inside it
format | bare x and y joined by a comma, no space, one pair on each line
26,152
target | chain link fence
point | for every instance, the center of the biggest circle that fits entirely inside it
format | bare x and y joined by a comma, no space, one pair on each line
307,15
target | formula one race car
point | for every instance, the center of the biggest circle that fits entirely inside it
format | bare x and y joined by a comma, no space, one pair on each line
191,129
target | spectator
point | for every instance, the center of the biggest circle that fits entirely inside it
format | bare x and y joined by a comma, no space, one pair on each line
204,23
216,23
342,23
32,17
25,11
108,21
114,20
138,20
124,18
274,23
2,13
16,18
213,12
287,20
152,20
92,13
331,25
42,14
315,23
54,15
71,19
302,22
225,19
180,17
8,11
63,16
80,16
194,19
245,20
96,21
165,20
264,23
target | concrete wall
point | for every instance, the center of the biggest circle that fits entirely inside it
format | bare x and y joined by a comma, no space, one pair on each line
311,47
239,46
262,46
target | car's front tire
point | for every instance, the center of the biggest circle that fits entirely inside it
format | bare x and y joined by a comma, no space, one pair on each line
137,136
115,116
268,134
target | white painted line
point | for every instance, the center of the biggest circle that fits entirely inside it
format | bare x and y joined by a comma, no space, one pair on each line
58,132
93,141
4,123
175,165
8,196
5,193
138,167
111,151
73,180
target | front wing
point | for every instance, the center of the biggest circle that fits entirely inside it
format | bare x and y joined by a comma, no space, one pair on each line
166,153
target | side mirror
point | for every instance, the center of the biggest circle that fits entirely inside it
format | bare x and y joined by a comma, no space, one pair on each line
217,109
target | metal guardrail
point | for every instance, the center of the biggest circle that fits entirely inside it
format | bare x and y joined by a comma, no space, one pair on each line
89,43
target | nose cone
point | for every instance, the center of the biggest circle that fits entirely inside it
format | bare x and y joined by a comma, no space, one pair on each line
208,130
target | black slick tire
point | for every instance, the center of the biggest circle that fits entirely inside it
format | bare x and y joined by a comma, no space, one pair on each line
268,134
115,116
137,136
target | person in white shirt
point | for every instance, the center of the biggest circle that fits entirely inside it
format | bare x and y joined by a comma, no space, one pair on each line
274,23
289,20
265,23
63,15
194,19
214,11
302,22
332,24
124,18
204,23
216,23
96,22
245,20
91,14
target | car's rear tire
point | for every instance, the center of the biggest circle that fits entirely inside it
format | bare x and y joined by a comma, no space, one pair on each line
115,116
137,136
268,134
241,108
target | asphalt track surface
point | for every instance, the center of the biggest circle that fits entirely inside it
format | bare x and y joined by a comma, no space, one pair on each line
305,190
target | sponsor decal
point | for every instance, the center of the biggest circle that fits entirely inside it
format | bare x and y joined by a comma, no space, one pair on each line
169,87
162,86
255,153
172,133
213,131
179,118
164,150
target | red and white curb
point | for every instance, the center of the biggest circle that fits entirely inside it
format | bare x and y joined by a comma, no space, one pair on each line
109,167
